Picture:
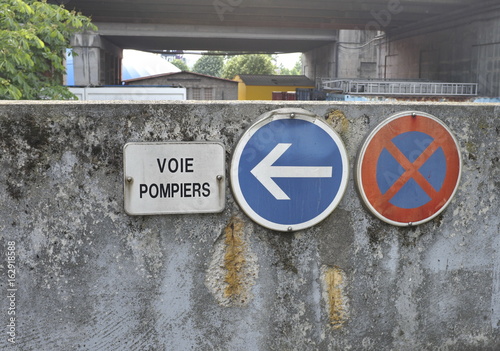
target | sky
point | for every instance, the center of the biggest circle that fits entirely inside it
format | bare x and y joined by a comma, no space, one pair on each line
288,60
140,64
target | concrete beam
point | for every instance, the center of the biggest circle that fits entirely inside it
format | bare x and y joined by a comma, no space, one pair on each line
334,14
199,37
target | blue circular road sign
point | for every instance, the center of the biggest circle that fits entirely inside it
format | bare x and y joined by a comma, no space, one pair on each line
289,170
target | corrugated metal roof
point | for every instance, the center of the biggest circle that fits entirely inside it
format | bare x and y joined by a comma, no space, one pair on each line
270,80
178,73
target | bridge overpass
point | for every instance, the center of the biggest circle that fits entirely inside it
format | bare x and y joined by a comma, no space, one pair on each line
310,26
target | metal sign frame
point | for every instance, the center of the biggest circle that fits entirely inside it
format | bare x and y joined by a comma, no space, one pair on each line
174,177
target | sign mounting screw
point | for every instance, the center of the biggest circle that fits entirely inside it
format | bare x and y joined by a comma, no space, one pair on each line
219,177
129,179
292,115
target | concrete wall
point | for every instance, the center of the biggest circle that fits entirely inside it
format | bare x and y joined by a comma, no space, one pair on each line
90,277
458,48
129,93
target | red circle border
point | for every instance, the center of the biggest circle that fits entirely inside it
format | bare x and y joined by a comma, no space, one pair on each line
374,145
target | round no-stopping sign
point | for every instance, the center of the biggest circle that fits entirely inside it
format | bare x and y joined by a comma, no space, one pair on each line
408,169
289,170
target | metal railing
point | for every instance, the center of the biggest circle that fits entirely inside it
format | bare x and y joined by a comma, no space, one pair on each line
415,88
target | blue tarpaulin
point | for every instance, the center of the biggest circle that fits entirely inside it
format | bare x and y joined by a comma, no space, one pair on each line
135,64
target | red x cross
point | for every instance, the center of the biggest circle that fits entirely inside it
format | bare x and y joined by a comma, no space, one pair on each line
380,139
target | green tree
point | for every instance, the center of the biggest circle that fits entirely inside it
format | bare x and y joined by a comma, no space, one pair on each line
249,64
180,64
211,65
33,38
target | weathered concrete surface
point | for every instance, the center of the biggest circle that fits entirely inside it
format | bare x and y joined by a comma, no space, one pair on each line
89,277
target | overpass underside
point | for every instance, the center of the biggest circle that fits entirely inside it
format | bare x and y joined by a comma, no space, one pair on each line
424,39
160,37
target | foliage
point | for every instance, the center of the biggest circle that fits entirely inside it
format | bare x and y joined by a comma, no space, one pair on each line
249,64
180,64
33,39
211,65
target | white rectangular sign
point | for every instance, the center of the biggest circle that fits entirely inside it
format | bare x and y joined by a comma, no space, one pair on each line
174,177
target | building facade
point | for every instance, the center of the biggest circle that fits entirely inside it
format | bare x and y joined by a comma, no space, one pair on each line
198,86
261,87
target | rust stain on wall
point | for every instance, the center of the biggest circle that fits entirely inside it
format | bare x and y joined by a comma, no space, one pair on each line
233,268
336,301
338,121
234,259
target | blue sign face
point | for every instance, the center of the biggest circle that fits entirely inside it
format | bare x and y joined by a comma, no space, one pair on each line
290,173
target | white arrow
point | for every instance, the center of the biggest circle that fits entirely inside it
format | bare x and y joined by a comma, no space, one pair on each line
265,171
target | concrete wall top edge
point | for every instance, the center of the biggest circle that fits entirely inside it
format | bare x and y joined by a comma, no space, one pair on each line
237,102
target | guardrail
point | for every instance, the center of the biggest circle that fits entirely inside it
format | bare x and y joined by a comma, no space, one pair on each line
372,87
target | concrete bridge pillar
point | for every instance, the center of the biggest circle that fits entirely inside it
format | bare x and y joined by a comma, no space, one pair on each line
354,55
97,61
321,61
